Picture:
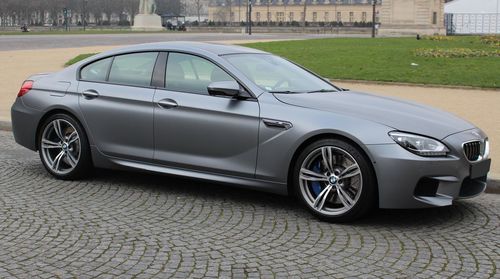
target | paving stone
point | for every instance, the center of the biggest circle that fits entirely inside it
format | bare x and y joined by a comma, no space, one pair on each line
126,224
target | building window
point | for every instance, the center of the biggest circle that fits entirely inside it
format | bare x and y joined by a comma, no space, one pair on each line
351,16
280,16
257,16
434,18
327,17
291,16
339,16
363,16
302,17
315,16
269,16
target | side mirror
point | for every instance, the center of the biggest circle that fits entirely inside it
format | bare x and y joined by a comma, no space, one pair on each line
227,88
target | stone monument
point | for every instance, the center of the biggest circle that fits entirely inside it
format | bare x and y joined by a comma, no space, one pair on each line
147,19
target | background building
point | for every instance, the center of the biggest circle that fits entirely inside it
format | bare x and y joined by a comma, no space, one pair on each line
288,11
412,17
395,16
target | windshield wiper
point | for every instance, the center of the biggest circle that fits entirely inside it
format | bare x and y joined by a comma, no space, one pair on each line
323,91
286,92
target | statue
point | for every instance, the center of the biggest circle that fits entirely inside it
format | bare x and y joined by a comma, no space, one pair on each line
147,7
147,19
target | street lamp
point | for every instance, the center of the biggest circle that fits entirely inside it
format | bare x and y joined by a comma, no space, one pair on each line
373,18
337,16
249,17
84,11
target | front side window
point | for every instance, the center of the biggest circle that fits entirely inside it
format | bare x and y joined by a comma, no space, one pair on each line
192,74
133,69
97,71
277,75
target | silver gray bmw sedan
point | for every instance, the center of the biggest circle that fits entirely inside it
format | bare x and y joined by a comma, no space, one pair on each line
245,117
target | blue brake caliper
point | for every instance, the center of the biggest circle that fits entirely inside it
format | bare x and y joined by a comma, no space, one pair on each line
316,185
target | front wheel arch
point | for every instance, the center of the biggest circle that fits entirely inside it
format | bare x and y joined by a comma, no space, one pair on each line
318,137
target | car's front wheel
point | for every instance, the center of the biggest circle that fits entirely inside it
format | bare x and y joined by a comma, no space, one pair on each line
64,148
334,180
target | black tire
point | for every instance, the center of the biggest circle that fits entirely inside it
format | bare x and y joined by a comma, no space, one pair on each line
84,166
368,196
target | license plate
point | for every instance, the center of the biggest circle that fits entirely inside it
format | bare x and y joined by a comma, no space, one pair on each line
480,169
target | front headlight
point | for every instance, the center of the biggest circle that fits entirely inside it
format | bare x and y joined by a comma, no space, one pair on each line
420,145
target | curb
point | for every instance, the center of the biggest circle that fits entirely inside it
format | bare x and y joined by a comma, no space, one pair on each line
389,83
492,188
5,126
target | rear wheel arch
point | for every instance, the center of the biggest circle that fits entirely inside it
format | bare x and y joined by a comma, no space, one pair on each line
322,136
49,114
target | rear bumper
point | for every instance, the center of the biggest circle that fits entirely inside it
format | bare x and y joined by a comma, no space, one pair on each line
24,124
406,180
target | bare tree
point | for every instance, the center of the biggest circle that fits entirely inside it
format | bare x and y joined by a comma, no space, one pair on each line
195,8
305,14
198,5
131,7
35,11
170,6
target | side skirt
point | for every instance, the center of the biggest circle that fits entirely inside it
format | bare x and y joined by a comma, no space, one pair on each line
103,161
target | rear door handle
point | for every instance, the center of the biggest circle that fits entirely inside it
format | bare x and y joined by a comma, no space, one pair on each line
90,94
167,103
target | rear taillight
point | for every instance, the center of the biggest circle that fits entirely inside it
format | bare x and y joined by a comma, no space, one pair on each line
27,86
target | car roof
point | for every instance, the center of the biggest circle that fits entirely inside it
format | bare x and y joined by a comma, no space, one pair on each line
217,49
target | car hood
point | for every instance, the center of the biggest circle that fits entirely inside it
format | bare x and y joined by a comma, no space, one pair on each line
398,114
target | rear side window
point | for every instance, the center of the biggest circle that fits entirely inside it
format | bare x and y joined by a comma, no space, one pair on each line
96,71
192,74
133,69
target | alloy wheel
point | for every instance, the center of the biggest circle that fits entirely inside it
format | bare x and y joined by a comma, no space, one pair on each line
330,180
60,146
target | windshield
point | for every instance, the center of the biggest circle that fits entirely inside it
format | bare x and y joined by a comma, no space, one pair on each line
277,75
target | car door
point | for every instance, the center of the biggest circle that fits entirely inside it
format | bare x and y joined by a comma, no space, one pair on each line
116,102
196,131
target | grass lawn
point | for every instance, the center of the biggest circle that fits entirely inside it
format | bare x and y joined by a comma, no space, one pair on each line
390,59
78,58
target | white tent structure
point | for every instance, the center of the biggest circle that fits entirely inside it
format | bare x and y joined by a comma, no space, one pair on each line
472,17
472,7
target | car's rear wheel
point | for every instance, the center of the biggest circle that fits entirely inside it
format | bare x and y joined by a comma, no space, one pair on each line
334,180
64,148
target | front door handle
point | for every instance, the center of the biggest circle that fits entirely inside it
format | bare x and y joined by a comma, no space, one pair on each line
90,94
168,103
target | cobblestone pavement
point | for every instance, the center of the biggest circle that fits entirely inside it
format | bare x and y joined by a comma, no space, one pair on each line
129,224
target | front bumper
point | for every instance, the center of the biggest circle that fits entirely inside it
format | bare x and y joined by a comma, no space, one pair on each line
406,180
